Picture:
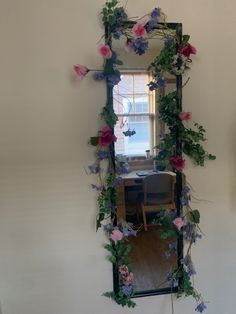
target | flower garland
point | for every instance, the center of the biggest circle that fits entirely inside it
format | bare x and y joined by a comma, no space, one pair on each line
174,58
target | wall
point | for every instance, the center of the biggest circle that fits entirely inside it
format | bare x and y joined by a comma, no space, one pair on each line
51,259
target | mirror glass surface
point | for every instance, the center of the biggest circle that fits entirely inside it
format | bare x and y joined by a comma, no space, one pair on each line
144,190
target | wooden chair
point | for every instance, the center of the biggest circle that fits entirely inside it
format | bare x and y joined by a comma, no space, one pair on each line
158,192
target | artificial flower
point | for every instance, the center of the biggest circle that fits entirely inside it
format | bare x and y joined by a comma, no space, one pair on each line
139,30
80,71
140,45
185,115
105,51
177,162
178,222
123,270
116,235
106,137
129,279
201,307
187,50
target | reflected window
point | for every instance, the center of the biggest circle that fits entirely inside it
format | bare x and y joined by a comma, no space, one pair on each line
134,105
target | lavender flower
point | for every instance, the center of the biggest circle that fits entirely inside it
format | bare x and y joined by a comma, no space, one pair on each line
156,13
98,76
161,82
190,233
128,233
152,86
113,80
107,228
140,45
173,247
94,168
117,33
186,189
101,154
168,41
184,201
118,182
127,290
201,307
151,24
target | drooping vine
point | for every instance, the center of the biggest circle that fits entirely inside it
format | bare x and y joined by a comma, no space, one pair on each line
174,59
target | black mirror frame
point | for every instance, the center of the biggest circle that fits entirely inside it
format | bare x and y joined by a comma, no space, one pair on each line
178,146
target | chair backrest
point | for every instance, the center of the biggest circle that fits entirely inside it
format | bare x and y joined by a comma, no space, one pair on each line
159,188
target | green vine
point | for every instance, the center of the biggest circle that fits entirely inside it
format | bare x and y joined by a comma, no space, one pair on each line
173,59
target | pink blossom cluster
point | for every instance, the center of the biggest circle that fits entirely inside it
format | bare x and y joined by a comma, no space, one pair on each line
187,49
127,277
106,136
116,235
177,162
178,223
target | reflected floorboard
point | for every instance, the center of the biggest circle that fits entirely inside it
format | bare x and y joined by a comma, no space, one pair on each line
149,266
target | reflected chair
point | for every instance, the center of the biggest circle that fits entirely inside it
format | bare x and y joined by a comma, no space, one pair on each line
158,192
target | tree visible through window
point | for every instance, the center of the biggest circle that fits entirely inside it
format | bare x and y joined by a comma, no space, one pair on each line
135,107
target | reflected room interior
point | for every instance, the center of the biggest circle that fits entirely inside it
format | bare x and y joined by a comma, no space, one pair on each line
145,190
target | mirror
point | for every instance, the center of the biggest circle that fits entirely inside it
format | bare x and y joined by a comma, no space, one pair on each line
147,192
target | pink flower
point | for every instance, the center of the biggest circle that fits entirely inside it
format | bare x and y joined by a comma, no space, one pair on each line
129,279
178,222
81,71
177,162
106,137
105,51
187,50
139,30
116,235
123,269
185,115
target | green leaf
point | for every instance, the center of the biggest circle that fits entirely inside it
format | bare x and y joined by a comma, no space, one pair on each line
112,259
185,39
194,216
94,140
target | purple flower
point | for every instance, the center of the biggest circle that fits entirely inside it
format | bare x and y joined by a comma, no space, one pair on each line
94,168
127,290
152,86
184,201
128,233
140,45
161,82
102,154
117,33
107,228
151,24
186,189
113,80
191,271
98,76
121,14
118,182
173,247
168,41
201,307
156,13
190,233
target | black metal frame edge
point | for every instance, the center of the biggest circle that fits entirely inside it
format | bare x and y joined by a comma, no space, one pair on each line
109,89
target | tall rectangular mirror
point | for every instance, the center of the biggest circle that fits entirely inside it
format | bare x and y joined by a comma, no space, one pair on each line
147,190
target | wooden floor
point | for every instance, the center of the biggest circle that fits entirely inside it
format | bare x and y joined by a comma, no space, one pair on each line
148,265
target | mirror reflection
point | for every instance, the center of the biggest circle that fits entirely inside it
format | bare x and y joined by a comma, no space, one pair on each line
146,191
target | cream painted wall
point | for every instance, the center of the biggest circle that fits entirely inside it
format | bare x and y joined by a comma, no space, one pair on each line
51,259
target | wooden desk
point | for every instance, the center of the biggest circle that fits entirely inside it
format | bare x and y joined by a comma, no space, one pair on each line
131,180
